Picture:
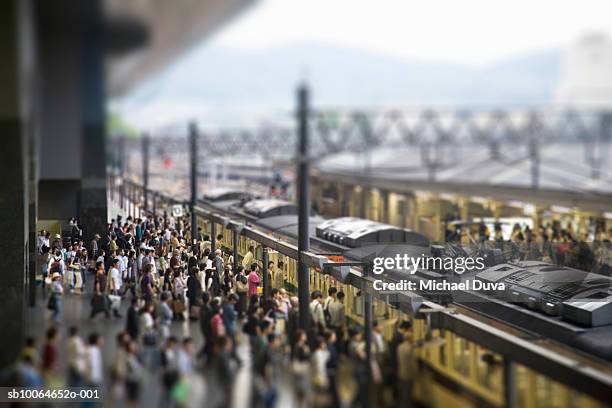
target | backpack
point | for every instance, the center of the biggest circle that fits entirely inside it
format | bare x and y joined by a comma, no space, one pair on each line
56,266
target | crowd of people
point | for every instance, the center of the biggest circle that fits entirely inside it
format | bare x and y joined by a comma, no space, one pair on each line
589,249
170,279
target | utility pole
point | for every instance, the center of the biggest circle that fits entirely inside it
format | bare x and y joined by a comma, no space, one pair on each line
266,272
303,196
122,171
193,139
146,142
236,242
534,154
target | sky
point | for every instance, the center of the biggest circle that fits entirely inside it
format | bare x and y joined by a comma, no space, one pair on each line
472,32
476,33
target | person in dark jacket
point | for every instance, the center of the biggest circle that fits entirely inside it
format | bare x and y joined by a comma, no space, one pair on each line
205,327
194,287
132,326
293,322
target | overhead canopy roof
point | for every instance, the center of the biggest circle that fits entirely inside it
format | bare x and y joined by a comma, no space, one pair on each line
172,28
565,176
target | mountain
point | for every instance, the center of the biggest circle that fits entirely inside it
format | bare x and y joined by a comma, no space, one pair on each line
224,80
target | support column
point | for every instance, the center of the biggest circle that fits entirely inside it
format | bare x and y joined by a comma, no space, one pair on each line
266,278
146,141
121,144
464,208
367,311
346,199
236,243
384,207
303,175
16,126
93,202
213,236
363,206
402,210
509,384
193,155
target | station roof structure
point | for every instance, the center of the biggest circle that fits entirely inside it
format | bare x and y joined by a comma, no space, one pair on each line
565,173
153,33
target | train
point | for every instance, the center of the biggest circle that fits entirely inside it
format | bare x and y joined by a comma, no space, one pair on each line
478,355
570,306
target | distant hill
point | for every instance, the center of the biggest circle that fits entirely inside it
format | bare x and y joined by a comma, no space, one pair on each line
221,80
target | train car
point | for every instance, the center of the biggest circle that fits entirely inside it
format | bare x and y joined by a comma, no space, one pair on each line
454,371
226,194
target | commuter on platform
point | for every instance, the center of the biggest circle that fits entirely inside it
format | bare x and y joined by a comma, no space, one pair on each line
253,280
406,364
95,364
242,290
77,358
55,300
50,359
337,318
300,367
247,260
316,313
165,315
134,374
218,264
132,325
94,247
293,321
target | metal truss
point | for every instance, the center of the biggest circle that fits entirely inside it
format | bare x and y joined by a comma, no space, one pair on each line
431,131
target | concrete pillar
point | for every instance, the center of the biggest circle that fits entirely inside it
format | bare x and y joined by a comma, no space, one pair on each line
93,203
72,150
16,127
384,207
363,204
464,208
345,200
402,211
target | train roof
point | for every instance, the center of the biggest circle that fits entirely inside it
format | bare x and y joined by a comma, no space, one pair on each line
355,232
223,194
268,207
288,224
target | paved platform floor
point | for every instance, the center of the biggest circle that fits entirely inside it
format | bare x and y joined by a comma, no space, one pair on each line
76,309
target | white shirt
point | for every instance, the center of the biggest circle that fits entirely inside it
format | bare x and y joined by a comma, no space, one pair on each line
139,261
146,320
41,240
76,354
319,359
123,264
94,361
185,365
53,260
116,277
316,311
